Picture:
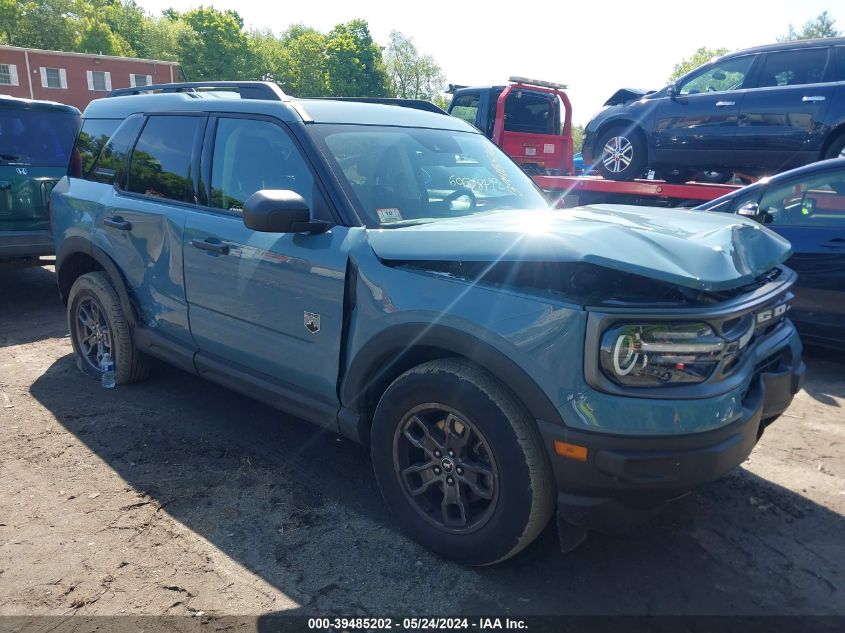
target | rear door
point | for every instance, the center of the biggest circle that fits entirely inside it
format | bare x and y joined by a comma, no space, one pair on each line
266,307
810,213
140,222
697,126
782,114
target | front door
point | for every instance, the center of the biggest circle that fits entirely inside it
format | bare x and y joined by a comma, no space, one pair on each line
268,306
696,126
779,122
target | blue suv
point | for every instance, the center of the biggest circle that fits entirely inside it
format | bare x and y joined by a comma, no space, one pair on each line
385,271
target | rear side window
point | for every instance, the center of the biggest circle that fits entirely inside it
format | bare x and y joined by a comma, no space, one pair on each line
793,68
92,138
36,137
161,162
110,165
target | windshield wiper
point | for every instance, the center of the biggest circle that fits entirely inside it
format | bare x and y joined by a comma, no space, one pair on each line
402,223
10,157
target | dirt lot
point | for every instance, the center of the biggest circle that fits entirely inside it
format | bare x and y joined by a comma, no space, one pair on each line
176,496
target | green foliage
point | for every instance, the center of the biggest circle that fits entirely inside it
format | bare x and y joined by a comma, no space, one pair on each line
213,44
701,56
577,138
412,74
821,26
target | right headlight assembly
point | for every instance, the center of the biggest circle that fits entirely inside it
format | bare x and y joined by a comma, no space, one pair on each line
662,354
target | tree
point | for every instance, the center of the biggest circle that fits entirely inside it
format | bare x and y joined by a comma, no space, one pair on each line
47,24
216,48
269,57
306,49
354,64
821,26
10,15
701,56
577,138
412,74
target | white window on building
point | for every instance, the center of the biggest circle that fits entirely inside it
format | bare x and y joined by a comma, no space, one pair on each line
140,80
98,80
53,77
8,75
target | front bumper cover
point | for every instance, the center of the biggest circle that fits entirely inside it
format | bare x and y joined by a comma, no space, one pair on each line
626,480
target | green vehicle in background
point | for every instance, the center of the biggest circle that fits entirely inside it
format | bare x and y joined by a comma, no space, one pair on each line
36,141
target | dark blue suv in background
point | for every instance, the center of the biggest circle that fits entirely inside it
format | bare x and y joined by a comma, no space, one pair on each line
757,111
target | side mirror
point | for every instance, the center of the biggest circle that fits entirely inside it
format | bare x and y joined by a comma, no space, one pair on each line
749,210
280,211
672,90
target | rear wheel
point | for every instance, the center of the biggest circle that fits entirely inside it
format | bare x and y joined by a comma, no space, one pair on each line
713,176
98,326
460,464
623,154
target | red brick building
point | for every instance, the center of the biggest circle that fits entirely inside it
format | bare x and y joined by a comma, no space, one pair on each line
75,78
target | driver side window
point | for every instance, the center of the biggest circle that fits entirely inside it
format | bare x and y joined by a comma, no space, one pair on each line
816,201
250,155
725,75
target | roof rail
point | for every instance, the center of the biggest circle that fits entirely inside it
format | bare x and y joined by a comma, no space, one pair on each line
264,90
453,88
416,104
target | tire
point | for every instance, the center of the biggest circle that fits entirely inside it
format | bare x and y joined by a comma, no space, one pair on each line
714,177
498,450
630,146
93,295
676,176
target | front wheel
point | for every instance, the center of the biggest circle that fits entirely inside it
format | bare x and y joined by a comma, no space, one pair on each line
460,464
623,154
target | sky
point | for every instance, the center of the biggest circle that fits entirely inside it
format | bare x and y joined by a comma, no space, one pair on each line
595,47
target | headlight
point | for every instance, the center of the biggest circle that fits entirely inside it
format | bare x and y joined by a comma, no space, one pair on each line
661,354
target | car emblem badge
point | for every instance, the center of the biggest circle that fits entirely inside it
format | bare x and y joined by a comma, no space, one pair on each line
21,171
312,322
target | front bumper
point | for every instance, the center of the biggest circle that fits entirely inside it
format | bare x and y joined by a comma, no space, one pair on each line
625,479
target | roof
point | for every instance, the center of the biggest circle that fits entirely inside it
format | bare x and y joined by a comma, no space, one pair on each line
33,104
289,110
793,44
91,55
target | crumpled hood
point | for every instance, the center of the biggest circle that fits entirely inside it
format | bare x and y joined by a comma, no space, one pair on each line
624,95
700,250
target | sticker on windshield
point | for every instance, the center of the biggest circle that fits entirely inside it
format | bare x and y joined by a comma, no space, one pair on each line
391,214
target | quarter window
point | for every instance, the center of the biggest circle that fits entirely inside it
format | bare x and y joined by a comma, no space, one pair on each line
251,155
793,68
728,74
110,165
161,162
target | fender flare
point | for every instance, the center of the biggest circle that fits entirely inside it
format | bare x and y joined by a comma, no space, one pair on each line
389,344
76,244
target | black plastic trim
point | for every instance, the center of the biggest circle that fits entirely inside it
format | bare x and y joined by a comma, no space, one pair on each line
392,343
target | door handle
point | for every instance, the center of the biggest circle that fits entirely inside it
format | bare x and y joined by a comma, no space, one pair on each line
836,242
212,247
812,99
722,104
117,222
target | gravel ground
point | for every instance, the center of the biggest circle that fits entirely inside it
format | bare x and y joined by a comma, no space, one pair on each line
177,497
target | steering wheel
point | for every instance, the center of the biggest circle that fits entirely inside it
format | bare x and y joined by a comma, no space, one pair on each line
457,193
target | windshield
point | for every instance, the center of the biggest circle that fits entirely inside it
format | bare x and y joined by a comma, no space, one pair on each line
36,137
400,176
